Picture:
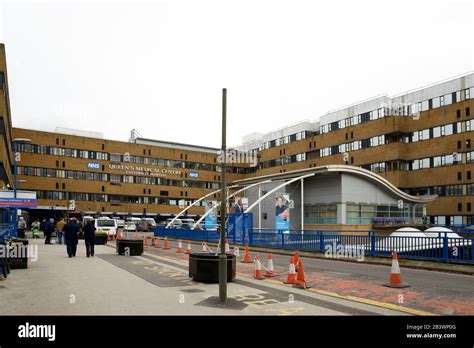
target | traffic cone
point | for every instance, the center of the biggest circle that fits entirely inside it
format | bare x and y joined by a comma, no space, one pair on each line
227,247
113,237
258,268
270,272
108,237
300,278
395,276
166,246
189,250
180,246
120,236
145,241
204,248
247,258
296,259
291,279
157,242
135,237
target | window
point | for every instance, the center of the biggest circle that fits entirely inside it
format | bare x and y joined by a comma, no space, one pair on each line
468,112
459,206
115,178
436,102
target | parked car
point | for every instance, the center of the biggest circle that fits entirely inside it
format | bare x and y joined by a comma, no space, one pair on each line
120,223
107,225
187,223
130,226
176,223
147,225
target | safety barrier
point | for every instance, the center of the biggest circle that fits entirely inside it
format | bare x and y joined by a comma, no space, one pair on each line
440,247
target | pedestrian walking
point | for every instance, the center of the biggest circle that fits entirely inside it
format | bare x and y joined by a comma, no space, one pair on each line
89,237
59,230
71,232
48,231
21,227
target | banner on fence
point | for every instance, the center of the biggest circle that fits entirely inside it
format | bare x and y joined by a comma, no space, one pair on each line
210,221
282,211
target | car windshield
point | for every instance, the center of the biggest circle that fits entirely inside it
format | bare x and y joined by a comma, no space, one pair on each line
106,223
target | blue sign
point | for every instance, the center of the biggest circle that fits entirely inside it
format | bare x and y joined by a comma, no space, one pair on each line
193,174
93,165
18,202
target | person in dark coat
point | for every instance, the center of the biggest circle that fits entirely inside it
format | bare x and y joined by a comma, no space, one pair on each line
71,231
89,236
48,231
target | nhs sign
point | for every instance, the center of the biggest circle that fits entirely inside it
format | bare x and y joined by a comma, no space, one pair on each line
93,165
193,174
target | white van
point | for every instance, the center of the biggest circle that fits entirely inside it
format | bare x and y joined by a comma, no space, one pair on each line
108,225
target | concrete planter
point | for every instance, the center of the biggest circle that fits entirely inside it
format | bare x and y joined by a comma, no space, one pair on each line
100,239
134,247
205,267
19,262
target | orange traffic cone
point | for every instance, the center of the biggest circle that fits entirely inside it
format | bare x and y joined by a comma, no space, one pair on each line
296,259
227,247
258,268
300,278
180,246
108,237
157,242
113,237
166,246
120,236
291,273
270,272
189,250
204,248
145,241
247,258
395,276
135,237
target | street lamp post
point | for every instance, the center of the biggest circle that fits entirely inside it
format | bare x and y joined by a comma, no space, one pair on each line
222,255
16,158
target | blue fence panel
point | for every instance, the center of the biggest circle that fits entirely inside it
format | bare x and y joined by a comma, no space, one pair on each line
437,246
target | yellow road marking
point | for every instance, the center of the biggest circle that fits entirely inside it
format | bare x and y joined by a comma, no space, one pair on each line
363,300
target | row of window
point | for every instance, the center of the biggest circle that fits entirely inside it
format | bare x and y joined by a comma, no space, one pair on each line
429,162
81,175
97,197
441,161
282,161
440,131
96,155
399,110
284,140
353,146
429,133
446,190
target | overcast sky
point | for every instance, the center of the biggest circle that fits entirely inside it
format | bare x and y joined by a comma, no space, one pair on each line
159,66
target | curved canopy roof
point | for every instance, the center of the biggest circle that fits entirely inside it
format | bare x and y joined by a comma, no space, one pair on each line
366,174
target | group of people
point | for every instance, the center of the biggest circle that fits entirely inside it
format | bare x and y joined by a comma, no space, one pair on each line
68,231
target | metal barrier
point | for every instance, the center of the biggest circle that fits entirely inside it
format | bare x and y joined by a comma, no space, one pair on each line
442,247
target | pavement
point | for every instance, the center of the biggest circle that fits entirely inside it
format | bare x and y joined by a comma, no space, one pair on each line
155,283
430,292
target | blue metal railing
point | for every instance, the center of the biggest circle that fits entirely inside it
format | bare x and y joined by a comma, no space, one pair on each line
439,246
